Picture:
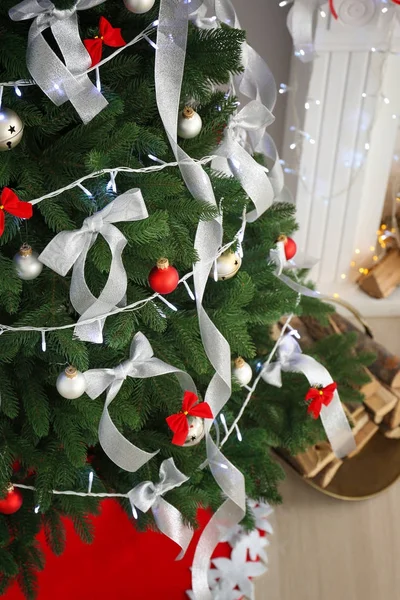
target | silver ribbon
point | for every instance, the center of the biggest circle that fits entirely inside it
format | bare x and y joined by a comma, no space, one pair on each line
59,81
333,417
302,22
245,133
70,248
254,117
170,60
277,256
141,364
148,495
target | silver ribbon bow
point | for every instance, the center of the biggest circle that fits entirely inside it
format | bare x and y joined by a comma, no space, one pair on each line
169,67
148,495
254,117
70,248
333,417
60,81
141,364
302,22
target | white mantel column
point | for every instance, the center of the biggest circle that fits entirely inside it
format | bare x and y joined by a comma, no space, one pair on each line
349,135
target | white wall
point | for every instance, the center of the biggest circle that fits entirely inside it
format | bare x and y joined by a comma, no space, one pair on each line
265,24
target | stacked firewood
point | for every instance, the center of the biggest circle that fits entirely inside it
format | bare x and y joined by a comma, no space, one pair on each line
380,410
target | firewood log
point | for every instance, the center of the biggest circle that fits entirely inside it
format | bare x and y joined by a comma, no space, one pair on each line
386,367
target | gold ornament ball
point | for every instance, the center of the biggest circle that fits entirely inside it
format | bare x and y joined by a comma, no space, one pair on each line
228,264
11,129
196,431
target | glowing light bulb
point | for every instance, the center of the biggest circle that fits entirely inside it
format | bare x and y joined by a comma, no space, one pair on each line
292,146
343,276
358,251
386,100
322,13
367,146
307,105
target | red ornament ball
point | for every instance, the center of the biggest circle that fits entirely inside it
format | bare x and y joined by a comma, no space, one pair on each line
289,245
163,278
12,502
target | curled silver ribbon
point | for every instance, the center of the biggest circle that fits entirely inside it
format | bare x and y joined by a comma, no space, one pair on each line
60,81
277,256
246,132
141,364
333,417
253,176
70,248
302,22
170,60
148,495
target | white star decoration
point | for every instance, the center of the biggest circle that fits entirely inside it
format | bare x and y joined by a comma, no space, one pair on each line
231,577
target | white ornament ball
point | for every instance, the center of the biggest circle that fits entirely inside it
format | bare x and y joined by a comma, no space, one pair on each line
228,264
139,6
27,264
242,371
11,129
189,123
71,383
196,431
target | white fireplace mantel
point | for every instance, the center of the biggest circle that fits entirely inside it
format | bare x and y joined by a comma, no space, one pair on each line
348,138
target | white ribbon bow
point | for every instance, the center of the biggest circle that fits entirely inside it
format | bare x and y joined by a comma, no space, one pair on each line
169,520
59,81
333,417
141,364
70,248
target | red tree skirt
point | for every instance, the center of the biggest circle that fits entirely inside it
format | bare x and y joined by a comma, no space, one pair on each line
121,564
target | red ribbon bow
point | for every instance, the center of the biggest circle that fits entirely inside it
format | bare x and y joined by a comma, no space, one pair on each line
10,203
109,35
319,397
179,423
336,16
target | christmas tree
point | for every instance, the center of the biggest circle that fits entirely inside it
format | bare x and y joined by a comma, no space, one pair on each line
109,161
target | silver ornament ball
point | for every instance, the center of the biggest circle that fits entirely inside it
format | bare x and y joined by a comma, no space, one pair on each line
71,383
11,129
196,431
189,123
27,264
228,264
139,6
242,371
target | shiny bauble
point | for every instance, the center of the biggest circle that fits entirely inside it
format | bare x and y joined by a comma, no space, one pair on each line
189,123
71,383
196,431
139,6
242,371
27,264
12,502
289,245
228,264
11,129
163,278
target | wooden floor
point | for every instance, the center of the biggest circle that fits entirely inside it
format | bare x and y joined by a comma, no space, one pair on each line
327,549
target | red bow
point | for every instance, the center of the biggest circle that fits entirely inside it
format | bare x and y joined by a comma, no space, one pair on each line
319,397
179,423
109,35
336,16
10,203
